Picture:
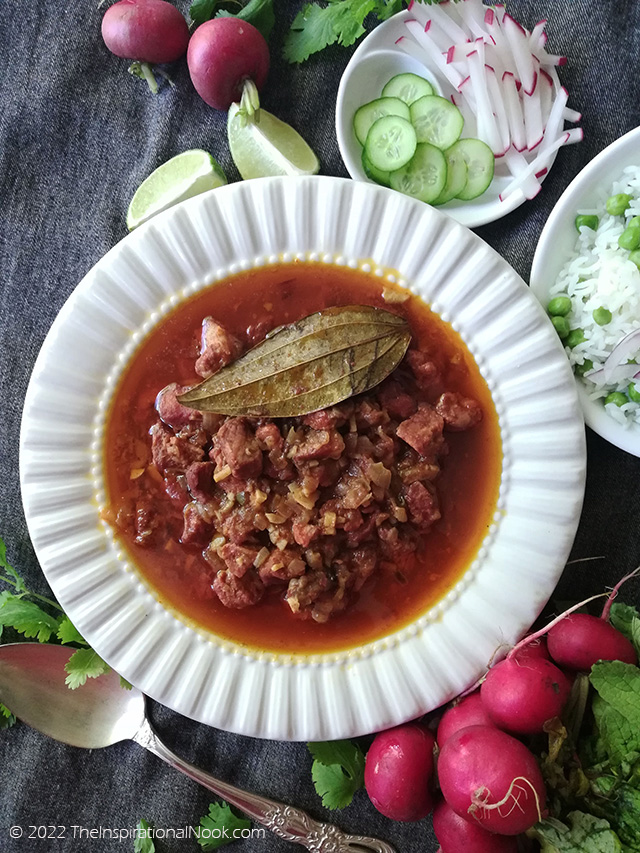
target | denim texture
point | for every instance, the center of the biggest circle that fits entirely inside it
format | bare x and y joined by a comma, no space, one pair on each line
77,136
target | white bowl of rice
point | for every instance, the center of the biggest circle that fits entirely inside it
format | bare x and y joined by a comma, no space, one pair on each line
594,283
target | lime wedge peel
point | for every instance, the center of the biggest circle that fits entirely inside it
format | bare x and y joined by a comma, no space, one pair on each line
186,175
268,146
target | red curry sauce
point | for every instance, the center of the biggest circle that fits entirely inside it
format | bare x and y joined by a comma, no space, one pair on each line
394,596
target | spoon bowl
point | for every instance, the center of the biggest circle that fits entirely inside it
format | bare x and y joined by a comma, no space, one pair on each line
33,686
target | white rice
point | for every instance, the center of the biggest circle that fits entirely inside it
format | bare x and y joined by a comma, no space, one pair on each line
599,274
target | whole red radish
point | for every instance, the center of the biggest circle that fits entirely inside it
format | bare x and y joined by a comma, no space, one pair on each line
521,695
223,54
457,835
398,772
491,778
470,711
145,30
580,640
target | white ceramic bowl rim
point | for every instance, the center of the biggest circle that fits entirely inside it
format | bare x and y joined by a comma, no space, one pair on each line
201,241
556,244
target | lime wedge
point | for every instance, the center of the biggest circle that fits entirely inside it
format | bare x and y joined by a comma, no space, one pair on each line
185,175
268,147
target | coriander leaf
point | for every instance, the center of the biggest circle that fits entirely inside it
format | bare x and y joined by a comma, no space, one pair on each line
68,633
27,618
316,27
143,843
257,12
587,834
386,8
6,717
125,684
337,771
627,620
218,826
83,664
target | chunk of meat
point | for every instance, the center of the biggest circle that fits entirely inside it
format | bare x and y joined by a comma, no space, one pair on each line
396,400
282,566
303,591
363,562
238,558
175,451
237,592
240,450
197,525
146,523
199,476
173,413
269,436
422,505
369,414
218,347
240,524
318,444
304,534
425,371
334,416
423,431
459,412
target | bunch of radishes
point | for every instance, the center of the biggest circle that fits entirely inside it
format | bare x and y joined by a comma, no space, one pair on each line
491,788
224,55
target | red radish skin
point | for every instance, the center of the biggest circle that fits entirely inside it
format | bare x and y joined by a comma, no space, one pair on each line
145,30
491,778
470,711
534,649
580,640
398,772
521,695
222,54
457,835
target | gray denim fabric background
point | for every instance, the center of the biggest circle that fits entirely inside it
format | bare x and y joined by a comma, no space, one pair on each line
77,136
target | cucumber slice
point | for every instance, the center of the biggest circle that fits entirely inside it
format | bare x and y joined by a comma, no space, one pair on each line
391,143
456,175
374,174
480,166
408,87
425,174
367,114
436,120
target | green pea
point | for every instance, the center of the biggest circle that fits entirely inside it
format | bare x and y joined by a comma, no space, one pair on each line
602,316
617,204
630,238
583,368
562,327
559,306
634,221
617,398
575,337
634,257
586,220
634,393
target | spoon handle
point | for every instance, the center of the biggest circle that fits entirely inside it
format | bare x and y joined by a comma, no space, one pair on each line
287,822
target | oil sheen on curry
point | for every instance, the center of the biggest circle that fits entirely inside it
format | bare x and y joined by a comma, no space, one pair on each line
310,532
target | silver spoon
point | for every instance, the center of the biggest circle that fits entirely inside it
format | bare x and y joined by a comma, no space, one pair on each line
101,713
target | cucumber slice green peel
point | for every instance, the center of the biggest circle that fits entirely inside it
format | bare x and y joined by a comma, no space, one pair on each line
480,166
424,176
367,114
391,143
437,121
408,87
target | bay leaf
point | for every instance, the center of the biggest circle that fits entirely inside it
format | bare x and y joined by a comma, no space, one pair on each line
313,363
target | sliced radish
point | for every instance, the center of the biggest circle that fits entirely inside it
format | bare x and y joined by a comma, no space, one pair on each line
533,125
534,166
425,41
517,163
514,111
519,42
499,109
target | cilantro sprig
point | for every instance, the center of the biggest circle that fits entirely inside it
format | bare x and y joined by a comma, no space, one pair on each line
338,21
337,771
219,826
257,12
34,616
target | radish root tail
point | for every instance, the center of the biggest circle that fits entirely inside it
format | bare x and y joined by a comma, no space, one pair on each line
520,787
